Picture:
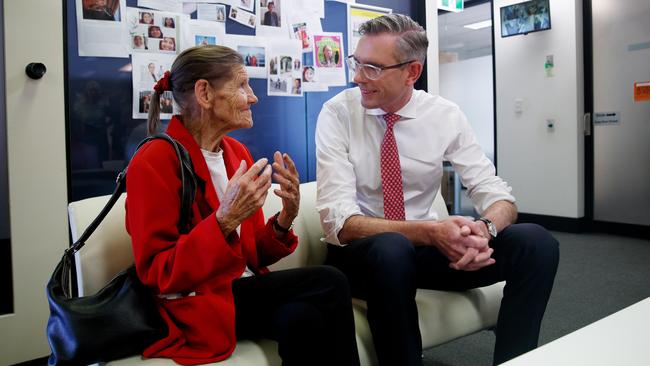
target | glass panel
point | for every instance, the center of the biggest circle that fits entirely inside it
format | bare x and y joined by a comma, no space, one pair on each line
6,278
466,78
621,149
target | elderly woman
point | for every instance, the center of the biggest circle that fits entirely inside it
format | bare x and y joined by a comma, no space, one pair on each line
212,284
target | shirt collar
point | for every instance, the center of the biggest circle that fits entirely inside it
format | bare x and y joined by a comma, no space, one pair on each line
408,111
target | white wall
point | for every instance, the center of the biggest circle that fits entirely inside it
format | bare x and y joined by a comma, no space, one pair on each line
545,168
468,83
431,9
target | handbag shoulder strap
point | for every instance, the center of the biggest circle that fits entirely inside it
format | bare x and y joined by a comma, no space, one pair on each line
188,192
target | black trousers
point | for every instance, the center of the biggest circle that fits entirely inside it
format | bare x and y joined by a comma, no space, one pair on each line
308,311
386,269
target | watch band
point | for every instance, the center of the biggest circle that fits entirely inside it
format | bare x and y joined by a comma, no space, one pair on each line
492,229
278,227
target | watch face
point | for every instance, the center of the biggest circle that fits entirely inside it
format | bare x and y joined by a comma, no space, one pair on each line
492,229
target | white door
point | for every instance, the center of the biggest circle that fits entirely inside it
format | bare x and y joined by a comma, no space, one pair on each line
621,52
36,153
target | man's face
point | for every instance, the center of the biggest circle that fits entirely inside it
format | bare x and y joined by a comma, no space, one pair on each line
391,90
271,7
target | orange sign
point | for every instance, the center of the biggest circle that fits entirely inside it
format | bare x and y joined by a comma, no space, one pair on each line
642,91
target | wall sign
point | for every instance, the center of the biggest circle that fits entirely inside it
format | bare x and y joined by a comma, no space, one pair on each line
642,91
607,118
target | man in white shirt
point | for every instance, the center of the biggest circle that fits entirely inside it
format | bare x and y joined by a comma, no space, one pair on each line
380,149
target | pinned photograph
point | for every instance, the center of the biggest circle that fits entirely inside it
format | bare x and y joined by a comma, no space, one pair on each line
296,89
328,58
253,56
285,68
253,50
328,51
286,64
101,9
278,85
144,101
308,74
155,32
271,17
167,102
167,44
152,31
200,40
300,32
150,74
243,17
146,17
148,69
138,42
273,66
168,22
221,13
246,4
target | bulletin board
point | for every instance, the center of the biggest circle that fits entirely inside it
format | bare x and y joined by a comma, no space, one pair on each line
102,134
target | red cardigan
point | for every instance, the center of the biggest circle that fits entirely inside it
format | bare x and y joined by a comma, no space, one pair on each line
203,262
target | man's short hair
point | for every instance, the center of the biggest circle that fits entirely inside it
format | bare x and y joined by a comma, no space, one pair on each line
412,38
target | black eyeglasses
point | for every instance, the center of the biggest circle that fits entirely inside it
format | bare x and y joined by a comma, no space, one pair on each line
372,72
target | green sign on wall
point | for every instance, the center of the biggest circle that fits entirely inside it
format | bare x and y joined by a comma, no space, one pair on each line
451,5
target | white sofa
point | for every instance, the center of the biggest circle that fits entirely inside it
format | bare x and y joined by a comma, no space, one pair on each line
443,316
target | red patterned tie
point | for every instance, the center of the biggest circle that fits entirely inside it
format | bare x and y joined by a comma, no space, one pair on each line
391,173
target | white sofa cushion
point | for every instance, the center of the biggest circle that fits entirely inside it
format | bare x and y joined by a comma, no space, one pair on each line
443,316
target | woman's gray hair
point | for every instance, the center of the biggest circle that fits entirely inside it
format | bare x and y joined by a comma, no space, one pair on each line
412,38
215,64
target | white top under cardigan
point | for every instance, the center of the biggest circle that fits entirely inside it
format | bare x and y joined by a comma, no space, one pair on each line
219,175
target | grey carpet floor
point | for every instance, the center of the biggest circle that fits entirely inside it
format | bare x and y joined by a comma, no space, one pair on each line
598,275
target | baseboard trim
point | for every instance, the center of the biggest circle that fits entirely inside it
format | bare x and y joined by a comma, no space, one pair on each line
557,223
581,225
637,231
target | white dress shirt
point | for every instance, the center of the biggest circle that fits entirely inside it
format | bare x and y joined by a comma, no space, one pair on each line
431,129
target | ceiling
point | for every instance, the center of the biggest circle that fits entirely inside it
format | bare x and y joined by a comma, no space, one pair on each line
466,43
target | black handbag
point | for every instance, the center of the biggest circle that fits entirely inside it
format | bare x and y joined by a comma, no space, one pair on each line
121,319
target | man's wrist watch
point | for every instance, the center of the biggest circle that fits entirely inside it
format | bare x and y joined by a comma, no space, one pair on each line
492,229
279,228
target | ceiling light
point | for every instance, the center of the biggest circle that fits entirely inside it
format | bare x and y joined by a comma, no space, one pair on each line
479,25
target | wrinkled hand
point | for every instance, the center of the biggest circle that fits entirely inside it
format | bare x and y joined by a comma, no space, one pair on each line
286,174
463,242
245,193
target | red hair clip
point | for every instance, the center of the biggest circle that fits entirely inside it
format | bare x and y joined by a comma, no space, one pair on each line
164,84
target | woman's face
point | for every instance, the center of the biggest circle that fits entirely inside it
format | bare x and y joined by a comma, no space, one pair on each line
327,52
146,17
137,41
155,32
152,68
167,44
309,74
232,101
